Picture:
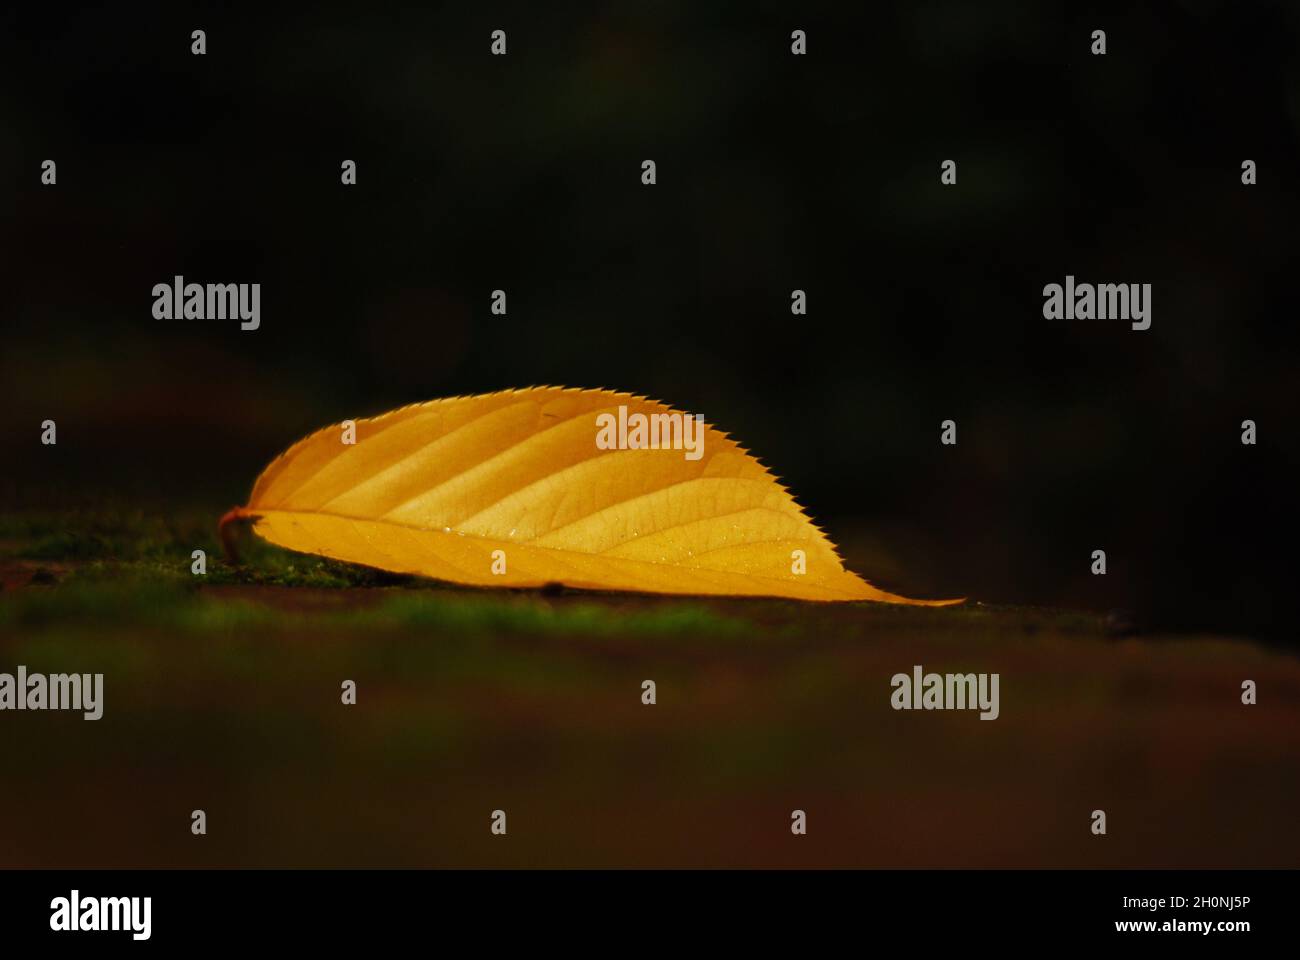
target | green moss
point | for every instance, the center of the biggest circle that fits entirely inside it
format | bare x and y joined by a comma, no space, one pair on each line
153,595
518,613
67,546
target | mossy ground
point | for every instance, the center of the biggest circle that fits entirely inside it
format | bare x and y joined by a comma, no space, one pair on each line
223,693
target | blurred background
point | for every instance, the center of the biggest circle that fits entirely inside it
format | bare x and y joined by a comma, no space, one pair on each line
775,172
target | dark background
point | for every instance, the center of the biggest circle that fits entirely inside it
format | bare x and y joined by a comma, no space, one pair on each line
775,172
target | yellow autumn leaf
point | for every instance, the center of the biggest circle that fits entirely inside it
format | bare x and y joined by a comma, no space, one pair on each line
588,488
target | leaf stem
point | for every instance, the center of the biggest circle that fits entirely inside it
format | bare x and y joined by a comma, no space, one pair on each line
227,533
